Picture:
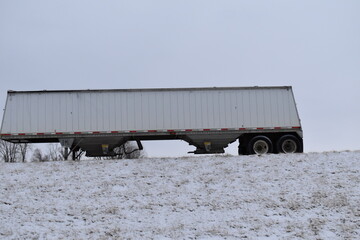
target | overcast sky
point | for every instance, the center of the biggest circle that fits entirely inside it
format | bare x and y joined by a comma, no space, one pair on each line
313,46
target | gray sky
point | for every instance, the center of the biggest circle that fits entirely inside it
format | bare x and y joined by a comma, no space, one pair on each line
312,45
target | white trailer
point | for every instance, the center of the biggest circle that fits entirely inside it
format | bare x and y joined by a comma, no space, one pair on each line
263,119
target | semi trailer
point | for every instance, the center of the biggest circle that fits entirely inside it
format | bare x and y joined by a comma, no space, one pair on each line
263,119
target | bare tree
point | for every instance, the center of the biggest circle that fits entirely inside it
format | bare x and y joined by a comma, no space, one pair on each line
24,148
8,151
55,152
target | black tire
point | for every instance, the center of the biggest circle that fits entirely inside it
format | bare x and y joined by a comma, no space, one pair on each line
288,144
260,145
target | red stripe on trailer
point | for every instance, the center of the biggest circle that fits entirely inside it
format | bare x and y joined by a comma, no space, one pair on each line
296,127
224,129
114,131
58,133
132,131
277,128
242,128
5,134
21,134
206,129
95,132
152,131
77,132
39,133
188,130
170,130
260,128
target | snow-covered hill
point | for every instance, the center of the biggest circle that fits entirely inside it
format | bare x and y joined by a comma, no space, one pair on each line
300,196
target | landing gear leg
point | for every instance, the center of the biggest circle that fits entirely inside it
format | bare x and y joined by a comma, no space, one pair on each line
66,153
73,155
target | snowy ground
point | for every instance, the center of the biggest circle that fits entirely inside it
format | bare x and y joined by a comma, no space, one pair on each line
300,196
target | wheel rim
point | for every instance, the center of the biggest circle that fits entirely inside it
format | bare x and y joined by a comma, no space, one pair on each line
289,146
261,147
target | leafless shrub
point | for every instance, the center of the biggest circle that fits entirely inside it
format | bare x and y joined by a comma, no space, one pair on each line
38,156
55,152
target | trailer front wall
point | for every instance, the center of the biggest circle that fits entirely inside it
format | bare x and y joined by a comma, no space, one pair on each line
155,109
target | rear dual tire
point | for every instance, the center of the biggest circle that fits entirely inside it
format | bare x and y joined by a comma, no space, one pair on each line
288,144
263,145
260,145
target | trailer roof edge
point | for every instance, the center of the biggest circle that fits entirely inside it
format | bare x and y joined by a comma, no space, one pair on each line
152,89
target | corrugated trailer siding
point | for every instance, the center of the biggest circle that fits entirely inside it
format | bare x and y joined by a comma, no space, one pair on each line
47,112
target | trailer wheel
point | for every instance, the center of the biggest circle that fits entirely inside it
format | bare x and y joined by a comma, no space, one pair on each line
288,144
260,145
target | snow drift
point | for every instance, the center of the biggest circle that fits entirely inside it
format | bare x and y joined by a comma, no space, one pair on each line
298,196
